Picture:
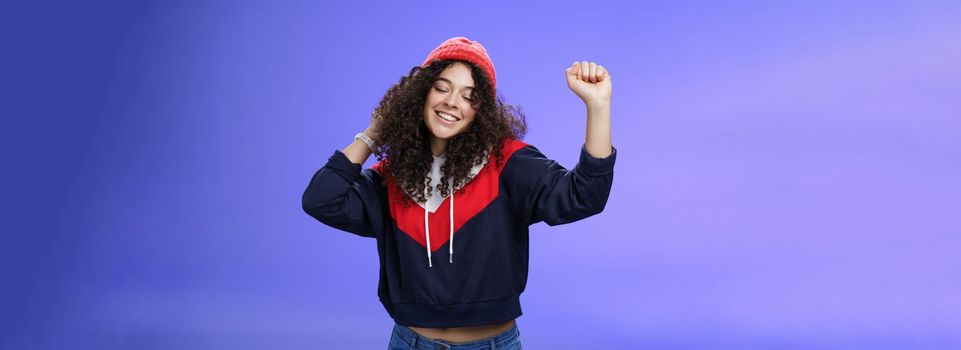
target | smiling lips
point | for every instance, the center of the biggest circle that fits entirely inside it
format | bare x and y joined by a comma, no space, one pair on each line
447,117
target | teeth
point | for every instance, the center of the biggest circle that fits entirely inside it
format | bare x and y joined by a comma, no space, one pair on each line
447,117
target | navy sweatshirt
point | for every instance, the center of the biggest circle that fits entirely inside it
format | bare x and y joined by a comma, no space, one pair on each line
474,274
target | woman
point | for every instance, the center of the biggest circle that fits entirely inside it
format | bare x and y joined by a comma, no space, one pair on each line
452,165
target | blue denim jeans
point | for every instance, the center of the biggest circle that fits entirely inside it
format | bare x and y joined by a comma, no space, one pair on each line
403,338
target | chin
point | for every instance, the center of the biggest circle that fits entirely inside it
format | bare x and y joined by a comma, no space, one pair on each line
444,135
442,132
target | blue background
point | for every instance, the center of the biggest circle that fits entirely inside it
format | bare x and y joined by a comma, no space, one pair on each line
788,176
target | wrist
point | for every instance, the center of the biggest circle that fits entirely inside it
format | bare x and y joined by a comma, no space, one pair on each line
373,134
598,108
367,139
598,105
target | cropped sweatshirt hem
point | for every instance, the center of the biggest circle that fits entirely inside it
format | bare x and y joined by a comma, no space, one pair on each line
421,282
463,315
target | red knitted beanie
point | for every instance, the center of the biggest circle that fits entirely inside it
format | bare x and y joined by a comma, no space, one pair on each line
461,48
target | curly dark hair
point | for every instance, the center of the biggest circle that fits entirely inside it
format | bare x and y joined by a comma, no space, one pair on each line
404,144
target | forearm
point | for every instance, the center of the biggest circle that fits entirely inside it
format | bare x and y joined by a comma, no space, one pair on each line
357,152
598,140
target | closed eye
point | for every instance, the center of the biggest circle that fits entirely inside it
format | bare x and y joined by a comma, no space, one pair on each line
442,90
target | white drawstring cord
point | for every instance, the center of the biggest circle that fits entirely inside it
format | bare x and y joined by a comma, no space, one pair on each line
452,227
427,230
430,262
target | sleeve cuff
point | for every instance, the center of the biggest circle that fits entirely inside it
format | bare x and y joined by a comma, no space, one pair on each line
590,165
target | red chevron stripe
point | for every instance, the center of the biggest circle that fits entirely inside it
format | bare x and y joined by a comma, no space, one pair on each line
470,200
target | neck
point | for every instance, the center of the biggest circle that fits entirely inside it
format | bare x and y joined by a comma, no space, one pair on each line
437,146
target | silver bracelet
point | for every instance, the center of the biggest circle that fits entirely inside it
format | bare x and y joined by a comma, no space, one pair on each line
363,137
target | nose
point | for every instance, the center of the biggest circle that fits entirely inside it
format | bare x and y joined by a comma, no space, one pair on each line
448,104
449,101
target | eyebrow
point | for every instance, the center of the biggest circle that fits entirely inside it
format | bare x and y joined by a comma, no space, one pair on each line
449,82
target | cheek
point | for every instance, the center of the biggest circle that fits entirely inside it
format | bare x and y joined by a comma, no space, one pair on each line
470,119
435,97
473,114
428,106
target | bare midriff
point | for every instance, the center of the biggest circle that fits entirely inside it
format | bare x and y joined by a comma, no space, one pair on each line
464,334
